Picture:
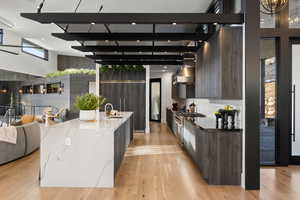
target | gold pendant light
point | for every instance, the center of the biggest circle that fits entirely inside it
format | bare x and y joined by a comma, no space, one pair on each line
272,7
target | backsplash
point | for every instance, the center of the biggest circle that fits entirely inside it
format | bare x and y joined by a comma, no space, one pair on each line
208,107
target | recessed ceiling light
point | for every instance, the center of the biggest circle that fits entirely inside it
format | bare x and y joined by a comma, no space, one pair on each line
174,23
106,41
133,23
169,41
215,23
93,23
138,41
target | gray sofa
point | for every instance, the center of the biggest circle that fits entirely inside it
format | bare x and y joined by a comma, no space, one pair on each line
28,140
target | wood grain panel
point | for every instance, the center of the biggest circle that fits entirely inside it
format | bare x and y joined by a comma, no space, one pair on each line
219,66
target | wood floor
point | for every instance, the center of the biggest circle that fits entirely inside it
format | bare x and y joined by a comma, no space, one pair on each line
155,168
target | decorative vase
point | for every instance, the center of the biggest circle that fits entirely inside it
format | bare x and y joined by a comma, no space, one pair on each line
87,115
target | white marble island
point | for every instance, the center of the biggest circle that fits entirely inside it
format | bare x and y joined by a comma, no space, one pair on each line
84,154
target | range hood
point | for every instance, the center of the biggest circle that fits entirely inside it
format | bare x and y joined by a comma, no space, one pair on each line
185,75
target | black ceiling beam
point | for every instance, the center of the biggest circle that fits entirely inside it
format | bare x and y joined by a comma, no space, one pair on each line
138,18
131,36
179,49
135,57
140,62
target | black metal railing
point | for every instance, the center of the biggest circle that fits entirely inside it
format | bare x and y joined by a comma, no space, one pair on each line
10,114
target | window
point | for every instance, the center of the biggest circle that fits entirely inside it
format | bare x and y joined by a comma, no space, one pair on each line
54,88
34,50
1,36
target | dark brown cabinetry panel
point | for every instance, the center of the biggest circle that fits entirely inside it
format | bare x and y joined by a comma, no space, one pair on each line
217,153
121,136
219,65
107,76
127,92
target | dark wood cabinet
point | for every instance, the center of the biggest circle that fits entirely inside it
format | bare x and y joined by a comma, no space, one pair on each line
171,120
217,153
121,142
108,76
126,95
218,71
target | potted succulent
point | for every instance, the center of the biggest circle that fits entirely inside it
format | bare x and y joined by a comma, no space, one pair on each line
87,104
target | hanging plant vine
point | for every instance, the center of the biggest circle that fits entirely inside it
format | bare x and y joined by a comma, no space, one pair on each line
122,68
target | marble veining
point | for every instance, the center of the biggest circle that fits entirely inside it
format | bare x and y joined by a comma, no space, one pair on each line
79,154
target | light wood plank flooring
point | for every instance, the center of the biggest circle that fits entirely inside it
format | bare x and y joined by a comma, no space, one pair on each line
155,168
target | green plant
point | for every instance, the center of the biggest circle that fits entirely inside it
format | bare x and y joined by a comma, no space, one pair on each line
72,71
122,68
89,102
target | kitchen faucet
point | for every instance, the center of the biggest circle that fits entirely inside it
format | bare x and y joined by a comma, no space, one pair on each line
105,107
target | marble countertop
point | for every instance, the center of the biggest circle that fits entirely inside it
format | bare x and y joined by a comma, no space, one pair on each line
104,123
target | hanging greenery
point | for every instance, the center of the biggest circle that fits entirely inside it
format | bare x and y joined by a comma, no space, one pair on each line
104,68
122,68
72,71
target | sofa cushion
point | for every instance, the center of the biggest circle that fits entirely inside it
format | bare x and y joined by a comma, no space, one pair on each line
33,135
10,152
27,119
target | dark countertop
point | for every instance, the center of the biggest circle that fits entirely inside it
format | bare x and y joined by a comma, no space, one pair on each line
207,124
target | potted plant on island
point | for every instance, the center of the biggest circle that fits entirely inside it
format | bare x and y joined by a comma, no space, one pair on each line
87,105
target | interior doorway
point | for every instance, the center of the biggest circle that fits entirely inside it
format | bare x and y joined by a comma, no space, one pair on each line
155,99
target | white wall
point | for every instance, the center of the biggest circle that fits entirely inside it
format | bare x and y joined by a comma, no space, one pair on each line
166,90
209,107
23,62
147,99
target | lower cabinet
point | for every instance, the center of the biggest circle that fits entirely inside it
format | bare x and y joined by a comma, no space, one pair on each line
217,153
171,120
122,138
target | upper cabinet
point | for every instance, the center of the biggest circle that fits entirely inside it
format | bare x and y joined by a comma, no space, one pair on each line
219,65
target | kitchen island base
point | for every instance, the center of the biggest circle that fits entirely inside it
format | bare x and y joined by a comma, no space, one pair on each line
84,154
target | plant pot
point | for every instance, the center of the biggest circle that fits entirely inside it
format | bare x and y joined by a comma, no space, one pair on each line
87,115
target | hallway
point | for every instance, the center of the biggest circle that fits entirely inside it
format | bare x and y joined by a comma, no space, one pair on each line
155,168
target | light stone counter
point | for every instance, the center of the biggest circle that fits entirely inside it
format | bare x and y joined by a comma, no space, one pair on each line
80,154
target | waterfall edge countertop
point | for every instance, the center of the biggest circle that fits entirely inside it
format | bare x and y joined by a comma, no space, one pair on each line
82,154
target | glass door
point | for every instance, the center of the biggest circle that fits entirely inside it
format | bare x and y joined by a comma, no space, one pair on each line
268,99
155,100
295,135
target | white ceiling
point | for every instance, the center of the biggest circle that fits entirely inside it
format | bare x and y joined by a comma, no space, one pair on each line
41,34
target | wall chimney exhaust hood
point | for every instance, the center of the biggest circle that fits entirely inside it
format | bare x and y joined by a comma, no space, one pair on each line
186,75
